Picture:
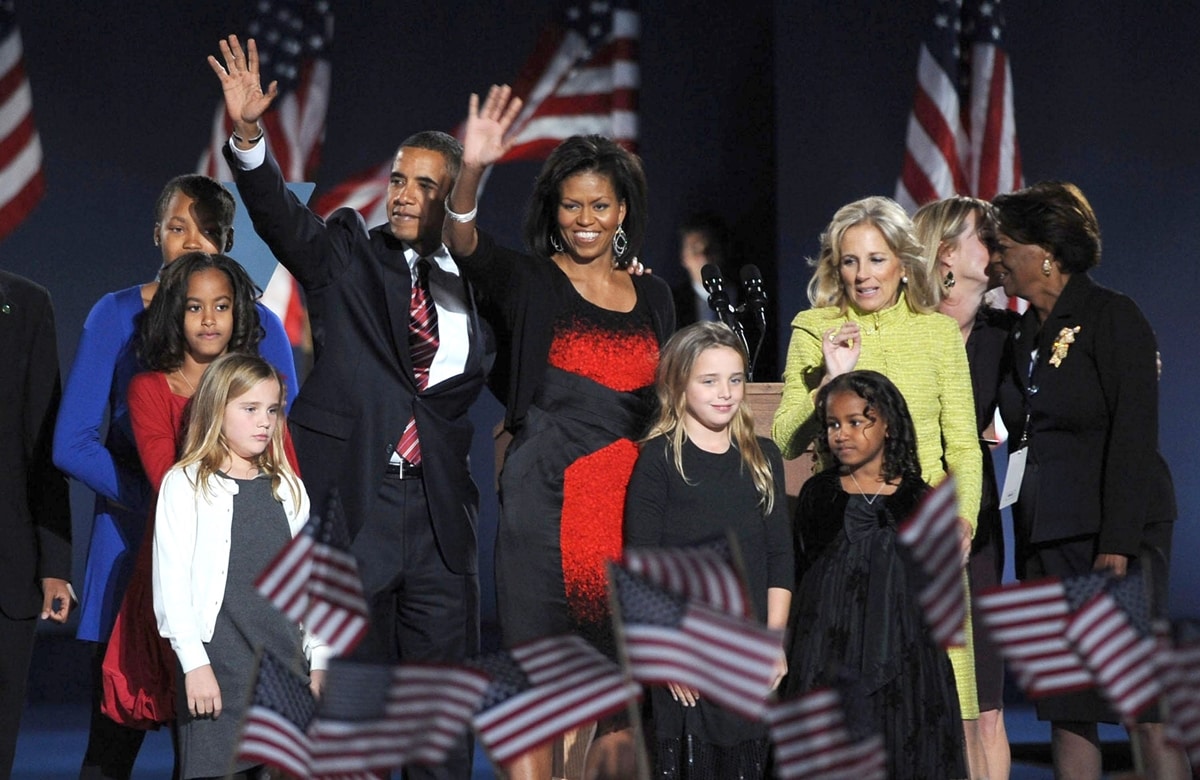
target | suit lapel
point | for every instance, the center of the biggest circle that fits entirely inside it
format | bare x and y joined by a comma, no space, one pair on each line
397,294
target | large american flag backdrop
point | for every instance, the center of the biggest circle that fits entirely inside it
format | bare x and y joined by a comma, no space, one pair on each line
292,38
581,78
962,133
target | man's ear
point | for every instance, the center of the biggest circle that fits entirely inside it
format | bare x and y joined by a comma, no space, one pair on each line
228,241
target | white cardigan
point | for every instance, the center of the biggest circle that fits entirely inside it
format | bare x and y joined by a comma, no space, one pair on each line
192,531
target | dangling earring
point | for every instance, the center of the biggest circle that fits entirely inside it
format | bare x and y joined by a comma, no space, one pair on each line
555,242
1046,266
620,241
948,281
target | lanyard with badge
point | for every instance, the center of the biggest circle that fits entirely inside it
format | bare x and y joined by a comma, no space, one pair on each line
1017,457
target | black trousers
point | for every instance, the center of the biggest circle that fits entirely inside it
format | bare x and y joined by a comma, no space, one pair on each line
112,749
419,609
16,651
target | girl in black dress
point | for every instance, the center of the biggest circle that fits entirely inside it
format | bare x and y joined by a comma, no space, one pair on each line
702,474
856,615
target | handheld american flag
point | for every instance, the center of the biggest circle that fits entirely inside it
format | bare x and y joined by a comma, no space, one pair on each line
273,732
668,639
931,536
1110,630
21,179
1028,623
373,717
314,580
543,689
817,736
704,573
1181,685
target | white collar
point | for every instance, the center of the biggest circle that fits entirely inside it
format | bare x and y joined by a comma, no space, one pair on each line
441,258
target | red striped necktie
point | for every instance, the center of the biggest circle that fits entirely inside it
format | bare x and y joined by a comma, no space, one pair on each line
422,347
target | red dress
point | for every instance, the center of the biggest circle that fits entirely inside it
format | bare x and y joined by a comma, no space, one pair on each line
139,665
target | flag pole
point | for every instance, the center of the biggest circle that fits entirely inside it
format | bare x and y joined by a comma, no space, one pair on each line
635,716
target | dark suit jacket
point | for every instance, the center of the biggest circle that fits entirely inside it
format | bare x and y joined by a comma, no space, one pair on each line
1093,465
361,392
35,512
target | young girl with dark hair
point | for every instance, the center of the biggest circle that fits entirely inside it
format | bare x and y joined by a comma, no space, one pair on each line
193,213
856,616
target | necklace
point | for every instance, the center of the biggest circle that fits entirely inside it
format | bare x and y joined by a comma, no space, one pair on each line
185,380
863,493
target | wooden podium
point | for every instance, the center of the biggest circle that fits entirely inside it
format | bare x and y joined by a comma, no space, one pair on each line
763,398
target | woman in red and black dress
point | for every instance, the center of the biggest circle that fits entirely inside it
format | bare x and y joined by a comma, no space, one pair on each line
579,341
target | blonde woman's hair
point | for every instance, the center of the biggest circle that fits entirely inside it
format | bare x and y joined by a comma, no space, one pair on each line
941,224
885,215
675,365
229,377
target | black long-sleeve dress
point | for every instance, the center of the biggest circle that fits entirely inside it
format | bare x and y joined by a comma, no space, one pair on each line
855,615
577,384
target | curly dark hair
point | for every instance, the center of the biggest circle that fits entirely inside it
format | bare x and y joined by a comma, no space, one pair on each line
161,343
587,154
883,399
1055,215
211,196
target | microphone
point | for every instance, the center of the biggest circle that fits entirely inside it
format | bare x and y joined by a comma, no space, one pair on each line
718,299
754,296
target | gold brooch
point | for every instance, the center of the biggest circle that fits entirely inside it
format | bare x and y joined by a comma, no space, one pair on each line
1066,337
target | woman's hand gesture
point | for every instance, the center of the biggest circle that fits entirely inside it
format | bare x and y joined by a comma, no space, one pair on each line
484,140
245,101
841,348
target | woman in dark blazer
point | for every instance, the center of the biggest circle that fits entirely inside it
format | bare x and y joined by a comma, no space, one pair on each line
1082,397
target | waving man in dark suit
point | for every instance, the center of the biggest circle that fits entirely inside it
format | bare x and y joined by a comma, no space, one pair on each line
400,356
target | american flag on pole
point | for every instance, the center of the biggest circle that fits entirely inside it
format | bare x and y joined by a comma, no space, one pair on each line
1110,630
962,133
543,689
582,78
314,580
704,573
21,180
932,538
273,731
292,37
1028,623
817,736
667,638
373,718
1181,684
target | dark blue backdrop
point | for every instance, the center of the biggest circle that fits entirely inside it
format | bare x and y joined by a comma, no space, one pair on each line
771,113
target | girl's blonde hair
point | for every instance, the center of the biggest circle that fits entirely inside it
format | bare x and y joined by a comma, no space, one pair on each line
675,364
231,376
885,215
